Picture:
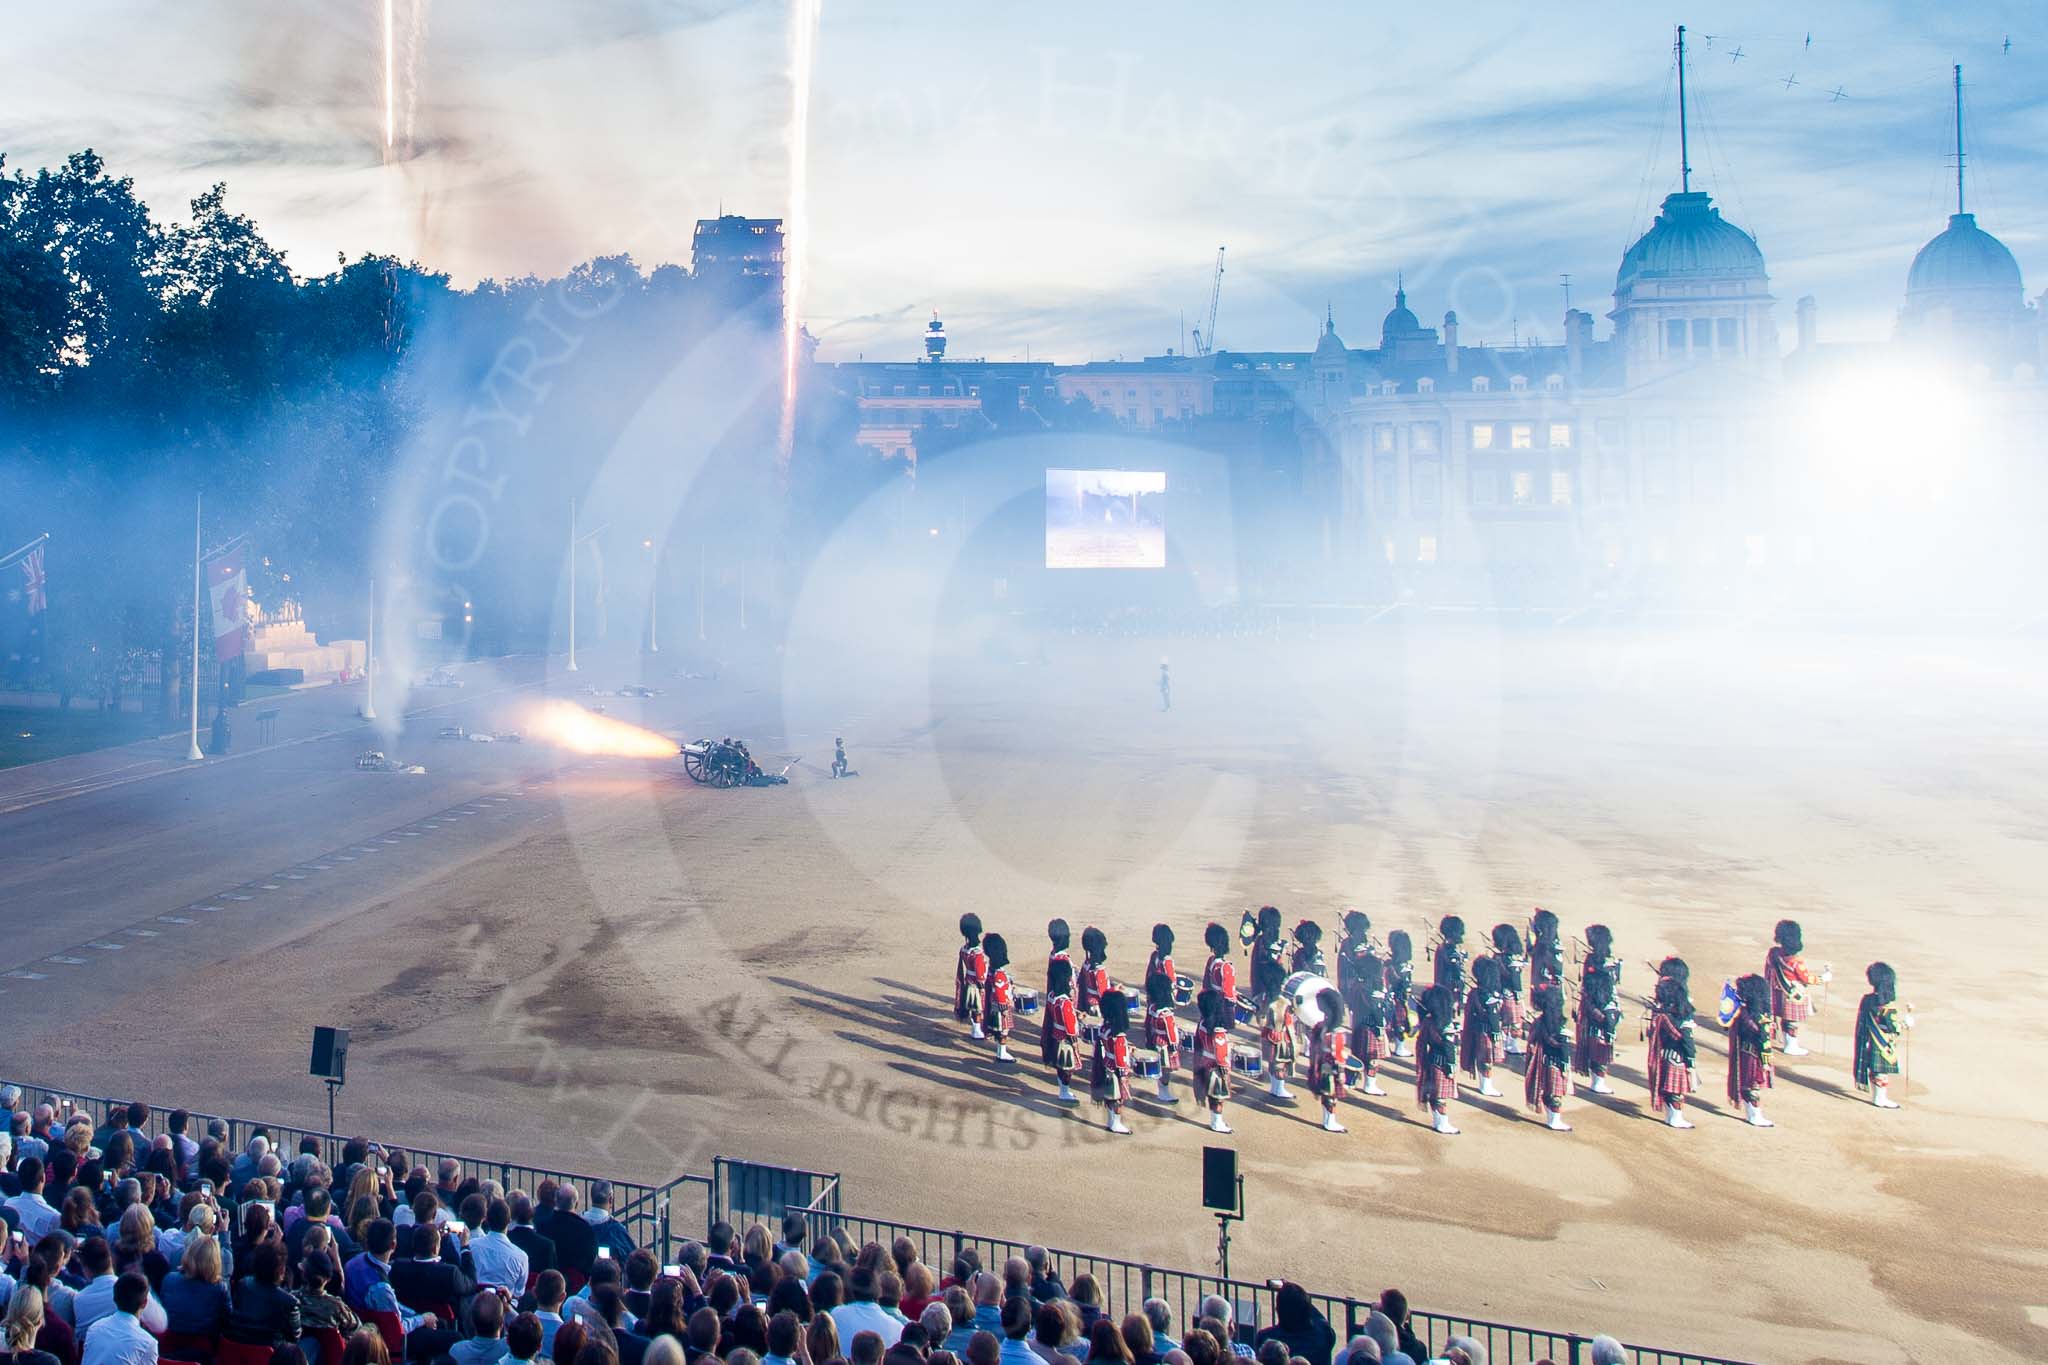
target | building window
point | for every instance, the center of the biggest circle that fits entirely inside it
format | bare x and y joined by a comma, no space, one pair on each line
1130,393
1613,483
1705,434
1517,383
1383,437
1480,383
974,390
1674,336
1657,433
1609,431
1158,415
1426,478
1482,435
1521,436
1383,481
1560,435
1425,550
1726,335
1485,488
1422,437
1560,488
1425,385
1523,487
1657,478
899,390
1555,383
1702,334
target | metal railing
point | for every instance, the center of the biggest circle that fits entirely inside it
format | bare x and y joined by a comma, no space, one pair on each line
738,1192
1125,1285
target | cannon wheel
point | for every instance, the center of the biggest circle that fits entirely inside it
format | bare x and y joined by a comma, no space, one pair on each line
726,772
694,765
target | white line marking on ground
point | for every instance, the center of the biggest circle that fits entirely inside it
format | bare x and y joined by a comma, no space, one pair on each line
147,933
67,961
176,919
105,946
24,974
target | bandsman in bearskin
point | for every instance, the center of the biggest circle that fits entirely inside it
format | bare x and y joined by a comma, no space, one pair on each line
1791,985
1059,1037
1057,931
1672,1050
1481,1047
1162,953
1436,1057
1546,949
1326,1055
1508,955
1212,1054
1880,1024
1114,1050
1091,983
1276,1019
1219,973
1162,1028
1598,1018
1749,1049
1362,982
1264,949
1308,948
970,975
1547,1083
1401,992
1449,961
996,997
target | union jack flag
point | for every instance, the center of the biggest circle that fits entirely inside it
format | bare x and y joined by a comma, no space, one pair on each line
34,588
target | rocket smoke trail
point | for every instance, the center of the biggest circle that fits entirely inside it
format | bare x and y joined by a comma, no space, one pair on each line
804,19
390,76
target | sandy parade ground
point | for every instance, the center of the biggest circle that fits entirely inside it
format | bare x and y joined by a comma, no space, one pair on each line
596,963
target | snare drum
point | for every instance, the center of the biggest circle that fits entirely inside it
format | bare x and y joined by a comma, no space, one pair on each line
1354,1068
1027,1002
1247,1061
1091,1027
1147,1066
1183,989
1245,1013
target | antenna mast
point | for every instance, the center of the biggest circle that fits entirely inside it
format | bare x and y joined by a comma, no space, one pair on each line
1684,141
1959,137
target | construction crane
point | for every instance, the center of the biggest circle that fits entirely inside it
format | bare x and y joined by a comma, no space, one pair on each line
1205,337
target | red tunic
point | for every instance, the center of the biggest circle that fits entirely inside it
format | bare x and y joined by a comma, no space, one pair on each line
1789,979
1276,1034
970,979
1091,984
1157,963
1212,1064
1326,1061
1057,1036
1162,1035
1221,975
995,1004
1115,1052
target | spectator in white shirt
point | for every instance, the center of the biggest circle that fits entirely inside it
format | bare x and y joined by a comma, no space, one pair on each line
35,1213
493,1257
120,1336
860,1312
97,1299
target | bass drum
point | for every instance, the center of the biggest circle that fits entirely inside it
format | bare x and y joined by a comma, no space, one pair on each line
1303,988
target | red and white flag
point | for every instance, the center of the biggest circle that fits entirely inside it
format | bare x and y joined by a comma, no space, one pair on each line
227,588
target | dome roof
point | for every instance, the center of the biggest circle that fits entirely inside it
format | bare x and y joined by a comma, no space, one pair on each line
1399,321
1331,347
1963,257
1690,240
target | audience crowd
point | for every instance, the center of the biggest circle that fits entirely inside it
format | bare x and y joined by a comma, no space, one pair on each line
128,1246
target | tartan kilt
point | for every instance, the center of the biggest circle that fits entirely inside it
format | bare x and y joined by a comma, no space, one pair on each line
1058,1051
967,1000
1214,1083
1119,1084
995,1020
1746,1072
1512,1012
1433,1086
1371,1044
1098,1069
1481,1049
1668,1076
1545,1085
1590,1050
1278,1051
1326,1080
1788,1008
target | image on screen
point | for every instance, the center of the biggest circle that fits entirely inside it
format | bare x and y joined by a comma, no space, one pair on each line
1105,519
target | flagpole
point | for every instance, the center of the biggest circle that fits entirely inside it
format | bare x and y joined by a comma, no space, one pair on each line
192,754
